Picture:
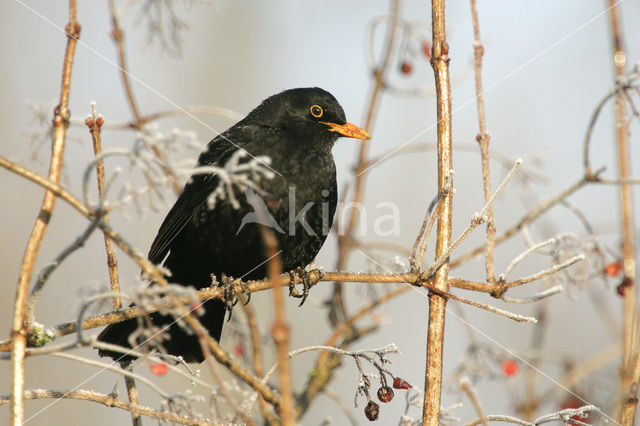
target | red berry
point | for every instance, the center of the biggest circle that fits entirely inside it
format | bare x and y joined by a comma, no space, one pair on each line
406,68
624,286
509,367
372,410
159,368
398,383
385,394
239,350
613,269
426,49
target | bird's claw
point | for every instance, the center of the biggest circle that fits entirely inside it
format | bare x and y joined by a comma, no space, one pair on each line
305,279
228,294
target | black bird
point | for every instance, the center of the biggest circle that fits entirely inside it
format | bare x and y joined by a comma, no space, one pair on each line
296,130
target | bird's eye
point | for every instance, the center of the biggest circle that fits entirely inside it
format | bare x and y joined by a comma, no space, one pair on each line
316,111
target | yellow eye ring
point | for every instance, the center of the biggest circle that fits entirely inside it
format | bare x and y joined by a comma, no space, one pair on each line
316,111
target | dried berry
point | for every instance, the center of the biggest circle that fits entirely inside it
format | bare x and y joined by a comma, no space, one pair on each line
159,368
385,394
509,367
406,68
613,269
624,286
398,383
372,410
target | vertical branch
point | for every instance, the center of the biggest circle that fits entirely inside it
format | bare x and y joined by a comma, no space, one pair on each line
280,329
95,124
483,140
60,124
379,83
629,344
437,304
258,364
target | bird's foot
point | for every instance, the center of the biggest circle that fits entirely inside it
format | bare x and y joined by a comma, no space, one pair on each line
228,293
229,296
305,278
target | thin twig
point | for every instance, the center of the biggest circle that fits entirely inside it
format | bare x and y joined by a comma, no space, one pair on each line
475,221
95,122
337,308
109,401
446,295
258,364
521,256
537,211
465,385
546,272
44,274
483,140
118,37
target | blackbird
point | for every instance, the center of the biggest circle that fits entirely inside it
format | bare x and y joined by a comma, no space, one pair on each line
289,185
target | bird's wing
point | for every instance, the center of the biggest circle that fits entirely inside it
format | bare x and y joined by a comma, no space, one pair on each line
193,196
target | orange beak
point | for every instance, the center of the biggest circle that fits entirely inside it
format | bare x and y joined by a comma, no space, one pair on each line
348,130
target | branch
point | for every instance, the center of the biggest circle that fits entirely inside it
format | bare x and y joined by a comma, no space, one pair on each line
630,348
94,123
108,401
483,140
60,124
437,304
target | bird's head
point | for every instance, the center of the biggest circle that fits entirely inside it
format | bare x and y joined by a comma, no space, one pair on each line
308,111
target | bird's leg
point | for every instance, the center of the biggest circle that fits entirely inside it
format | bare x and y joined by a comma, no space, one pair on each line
306,281
228,293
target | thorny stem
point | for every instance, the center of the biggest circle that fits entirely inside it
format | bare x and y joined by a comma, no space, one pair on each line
95,124
437,304
628,383
483,140
60,124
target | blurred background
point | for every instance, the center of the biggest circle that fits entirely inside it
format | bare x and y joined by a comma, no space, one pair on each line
547,65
